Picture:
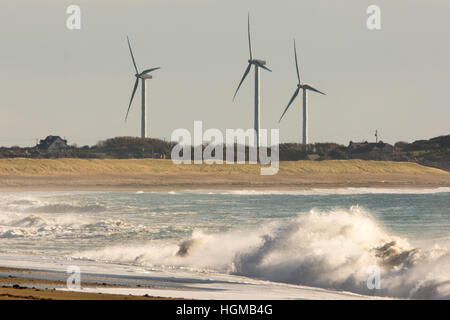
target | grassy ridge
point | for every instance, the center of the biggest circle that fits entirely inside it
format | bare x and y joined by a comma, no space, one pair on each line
43,167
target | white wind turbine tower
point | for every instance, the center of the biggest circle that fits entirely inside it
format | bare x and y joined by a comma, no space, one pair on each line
143,76
258,64
305,88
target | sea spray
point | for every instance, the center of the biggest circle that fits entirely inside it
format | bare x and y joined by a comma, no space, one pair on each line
331,250
270,235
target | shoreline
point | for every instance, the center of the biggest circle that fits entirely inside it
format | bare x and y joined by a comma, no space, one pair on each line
152,183
34,278
28,284
224,188
33,284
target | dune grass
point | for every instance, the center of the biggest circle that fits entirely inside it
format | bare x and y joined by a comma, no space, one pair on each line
43,167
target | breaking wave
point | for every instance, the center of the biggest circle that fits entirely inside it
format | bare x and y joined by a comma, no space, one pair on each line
337,250
32,226
30,221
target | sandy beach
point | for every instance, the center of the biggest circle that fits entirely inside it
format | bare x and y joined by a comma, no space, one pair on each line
16,288
162,175
32,277
38,279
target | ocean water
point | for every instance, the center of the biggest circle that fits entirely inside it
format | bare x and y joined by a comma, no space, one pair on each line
332,239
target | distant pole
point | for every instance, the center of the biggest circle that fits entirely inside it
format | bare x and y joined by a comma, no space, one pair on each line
305,117
376,136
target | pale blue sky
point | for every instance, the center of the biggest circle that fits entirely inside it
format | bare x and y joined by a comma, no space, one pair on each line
77,84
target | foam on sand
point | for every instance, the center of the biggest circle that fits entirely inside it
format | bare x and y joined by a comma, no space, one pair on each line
168,283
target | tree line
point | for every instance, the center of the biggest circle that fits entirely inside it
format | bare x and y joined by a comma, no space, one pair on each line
434,152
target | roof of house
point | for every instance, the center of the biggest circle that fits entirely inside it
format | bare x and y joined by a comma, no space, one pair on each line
49,140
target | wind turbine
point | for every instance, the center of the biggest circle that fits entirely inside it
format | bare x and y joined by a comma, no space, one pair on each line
143,76
305,87
258,64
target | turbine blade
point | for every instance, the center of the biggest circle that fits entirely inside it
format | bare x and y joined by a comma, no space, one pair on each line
132,56
132,96
308,87
249,39
290,102
262,66
296,62
149,70
242,80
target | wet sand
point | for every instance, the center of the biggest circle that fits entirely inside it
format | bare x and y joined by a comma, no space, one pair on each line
22,284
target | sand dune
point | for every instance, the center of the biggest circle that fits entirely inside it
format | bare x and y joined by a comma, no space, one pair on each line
21,166
106,174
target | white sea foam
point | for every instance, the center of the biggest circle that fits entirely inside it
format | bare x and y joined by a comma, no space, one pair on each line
13,233
336,191
325,249
31,215
33,225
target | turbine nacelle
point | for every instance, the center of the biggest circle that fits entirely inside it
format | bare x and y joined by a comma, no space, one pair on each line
257,62
144,76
